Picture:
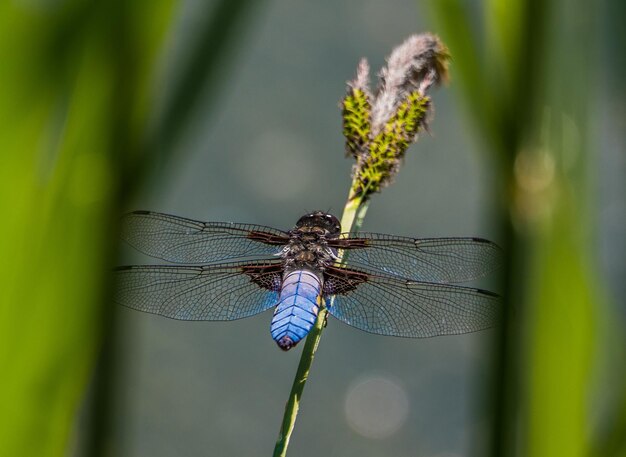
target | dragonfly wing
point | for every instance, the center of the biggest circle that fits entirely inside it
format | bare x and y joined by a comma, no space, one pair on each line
200,293
444,260
180,240
392,306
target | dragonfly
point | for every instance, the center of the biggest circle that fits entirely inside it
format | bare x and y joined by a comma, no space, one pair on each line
382,284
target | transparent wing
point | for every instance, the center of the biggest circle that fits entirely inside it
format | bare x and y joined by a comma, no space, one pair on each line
181,240
445,260
203,293
396,307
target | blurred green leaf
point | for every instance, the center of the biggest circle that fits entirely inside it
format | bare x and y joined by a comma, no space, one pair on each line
80,89
561,322
70,111
526,90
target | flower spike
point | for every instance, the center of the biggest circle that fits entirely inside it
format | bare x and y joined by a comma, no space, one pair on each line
380,127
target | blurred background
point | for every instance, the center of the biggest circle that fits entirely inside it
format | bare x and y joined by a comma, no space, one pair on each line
228,111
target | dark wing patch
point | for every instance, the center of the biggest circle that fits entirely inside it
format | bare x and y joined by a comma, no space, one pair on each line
180,240
266,276
391,306
199,293
444,260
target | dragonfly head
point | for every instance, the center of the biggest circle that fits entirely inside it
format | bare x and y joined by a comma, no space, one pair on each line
319,222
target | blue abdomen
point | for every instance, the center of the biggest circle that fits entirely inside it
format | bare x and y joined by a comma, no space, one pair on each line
297,308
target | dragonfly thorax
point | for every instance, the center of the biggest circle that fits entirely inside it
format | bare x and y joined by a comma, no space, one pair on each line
308,243
309,251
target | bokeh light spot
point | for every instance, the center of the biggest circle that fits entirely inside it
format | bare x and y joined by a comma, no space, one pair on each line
376,407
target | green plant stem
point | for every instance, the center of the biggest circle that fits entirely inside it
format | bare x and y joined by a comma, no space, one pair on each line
351,220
